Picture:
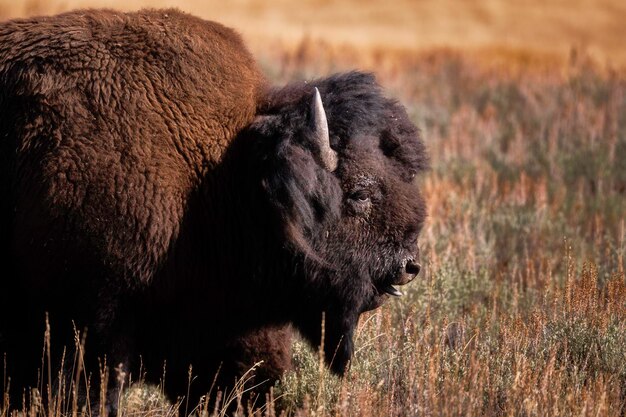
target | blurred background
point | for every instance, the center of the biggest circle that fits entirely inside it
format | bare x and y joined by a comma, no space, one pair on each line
548,29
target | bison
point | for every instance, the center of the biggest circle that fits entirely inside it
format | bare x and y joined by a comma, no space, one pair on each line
159,193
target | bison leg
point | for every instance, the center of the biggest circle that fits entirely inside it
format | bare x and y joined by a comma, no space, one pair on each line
113,342
22,349
268,350
338,332
257,359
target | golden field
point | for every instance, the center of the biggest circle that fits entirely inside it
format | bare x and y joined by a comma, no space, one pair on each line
490,27
521,308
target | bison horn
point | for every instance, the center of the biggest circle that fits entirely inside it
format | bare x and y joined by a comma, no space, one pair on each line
328,157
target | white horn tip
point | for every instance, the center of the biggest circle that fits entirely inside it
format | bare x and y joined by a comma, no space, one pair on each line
328,156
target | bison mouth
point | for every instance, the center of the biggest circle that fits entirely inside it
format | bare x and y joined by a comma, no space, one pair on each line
380,294
388,285
389,289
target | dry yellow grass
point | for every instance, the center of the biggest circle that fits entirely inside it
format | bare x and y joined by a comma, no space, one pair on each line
491,28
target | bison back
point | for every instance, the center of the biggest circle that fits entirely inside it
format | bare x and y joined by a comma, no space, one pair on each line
109,121
109,125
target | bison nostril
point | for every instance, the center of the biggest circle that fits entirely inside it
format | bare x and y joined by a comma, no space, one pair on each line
413,267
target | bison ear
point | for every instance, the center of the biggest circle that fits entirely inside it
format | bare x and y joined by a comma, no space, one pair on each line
326,155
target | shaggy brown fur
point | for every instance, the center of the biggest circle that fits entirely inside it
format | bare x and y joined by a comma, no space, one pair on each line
158,193
103,95
109,122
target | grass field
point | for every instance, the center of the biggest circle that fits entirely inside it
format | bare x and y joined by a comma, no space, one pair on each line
521,308
492,28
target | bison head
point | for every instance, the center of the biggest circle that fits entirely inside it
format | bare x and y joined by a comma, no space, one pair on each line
339,168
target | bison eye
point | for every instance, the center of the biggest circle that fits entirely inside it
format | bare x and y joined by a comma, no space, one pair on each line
359,202
360,196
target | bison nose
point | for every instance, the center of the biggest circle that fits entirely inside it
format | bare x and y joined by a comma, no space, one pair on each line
409,272
412,267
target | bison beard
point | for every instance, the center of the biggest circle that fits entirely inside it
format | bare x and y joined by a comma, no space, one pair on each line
157,192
